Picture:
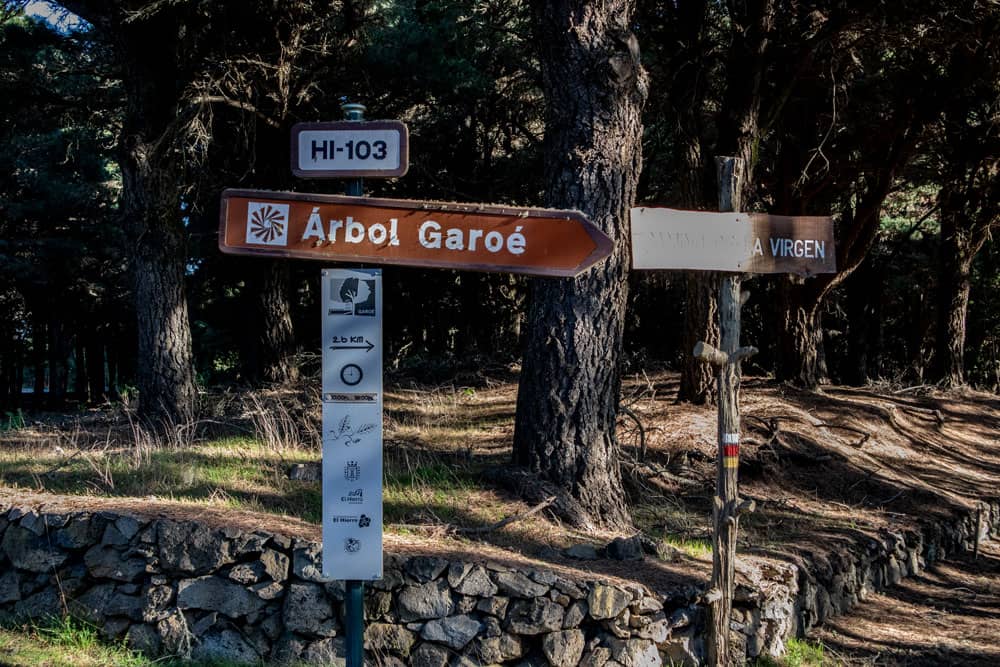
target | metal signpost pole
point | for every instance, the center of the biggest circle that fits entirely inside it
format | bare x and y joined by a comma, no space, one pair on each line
354,589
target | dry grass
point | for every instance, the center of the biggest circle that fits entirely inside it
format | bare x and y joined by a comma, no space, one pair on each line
823,468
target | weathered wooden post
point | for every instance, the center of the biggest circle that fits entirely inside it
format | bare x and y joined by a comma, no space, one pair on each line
726,504
734,243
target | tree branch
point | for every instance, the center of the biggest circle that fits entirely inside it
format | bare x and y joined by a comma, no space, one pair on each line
236,104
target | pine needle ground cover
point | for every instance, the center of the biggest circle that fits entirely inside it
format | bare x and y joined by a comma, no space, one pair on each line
824,468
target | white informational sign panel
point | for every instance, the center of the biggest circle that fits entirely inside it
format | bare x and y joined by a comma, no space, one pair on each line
352,424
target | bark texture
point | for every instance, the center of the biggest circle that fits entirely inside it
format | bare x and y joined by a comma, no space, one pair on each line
961,240
96,377
155,231
739,122
570,383
697,380
801,335
274,354
690,85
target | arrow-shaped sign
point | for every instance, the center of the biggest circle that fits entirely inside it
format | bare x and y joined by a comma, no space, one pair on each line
367,347
474,237
664,238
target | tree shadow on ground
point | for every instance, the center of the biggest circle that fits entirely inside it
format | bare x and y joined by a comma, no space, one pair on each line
947,615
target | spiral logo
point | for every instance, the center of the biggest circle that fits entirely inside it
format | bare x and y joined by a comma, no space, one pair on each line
267,224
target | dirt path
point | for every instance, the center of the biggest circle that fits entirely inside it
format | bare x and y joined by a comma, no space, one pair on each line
949,615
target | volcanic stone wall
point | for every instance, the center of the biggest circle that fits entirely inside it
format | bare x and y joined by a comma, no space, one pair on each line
183,588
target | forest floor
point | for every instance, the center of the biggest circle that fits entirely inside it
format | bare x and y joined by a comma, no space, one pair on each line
824,468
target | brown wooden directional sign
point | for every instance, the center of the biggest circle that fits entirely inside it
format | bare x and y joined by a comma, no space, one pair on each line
664,238
474,237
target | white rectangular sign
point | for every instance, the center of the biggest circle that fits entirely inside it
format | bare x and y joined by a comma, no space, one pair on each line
350,148
690,240
352,424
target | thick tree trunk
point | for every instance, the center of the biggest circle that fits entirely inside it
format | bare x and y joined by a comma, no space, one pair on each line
95,367
957,253
152,212
800,336
38,346
273,356
58,358
739,122
570,383
864,325
700,307
700,324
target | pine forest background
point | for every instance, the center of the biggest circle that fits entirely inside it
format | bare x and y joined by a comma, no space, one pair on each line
118,133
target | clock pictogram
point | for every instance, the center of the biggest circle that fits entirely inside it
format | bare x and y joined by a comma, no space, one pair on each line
351,374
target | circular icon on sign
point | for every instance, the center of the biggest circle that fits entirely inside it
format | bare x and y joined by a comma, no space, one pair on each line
351,374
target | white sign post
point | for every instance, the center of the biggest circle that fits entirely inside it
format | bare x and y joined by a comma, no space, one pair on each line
352,424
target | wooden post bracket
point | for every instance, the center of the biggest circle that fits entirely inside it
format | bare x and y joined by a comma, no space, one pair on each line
711,355
729,512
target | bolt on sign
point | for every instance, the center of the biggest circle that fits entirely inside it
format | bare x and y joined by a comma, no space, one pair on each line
350,148
352,423
475,237
664,238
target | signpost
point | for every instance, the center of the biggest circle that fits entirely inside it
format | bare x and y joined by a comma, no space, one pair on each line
352,424
471,237
734,243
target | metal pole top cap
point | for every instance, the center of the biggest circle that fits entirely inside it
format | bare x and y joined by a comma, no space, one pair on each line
353,110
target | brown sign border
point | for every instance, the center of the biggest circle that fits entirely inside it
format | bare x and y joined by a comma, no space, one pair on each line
404,148
602,244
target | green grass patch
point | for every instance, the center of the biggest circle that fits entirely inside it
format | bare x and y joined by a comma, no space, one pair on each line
799,653
63,643
12,421
69,642
435,491
694,548
669,522
238,472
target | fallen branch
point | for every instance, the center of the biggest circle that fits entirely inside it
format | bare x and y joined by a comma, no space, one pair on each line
508,520
62,464
534,489
654,471
865,435
909,389
642,431
770,425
